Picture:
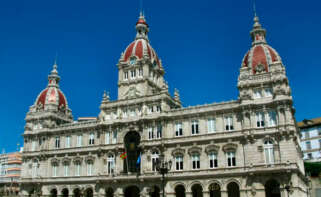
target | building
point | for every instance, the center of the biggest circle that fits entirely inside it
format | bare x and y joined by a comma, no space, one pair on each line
311,139
10,169
246,147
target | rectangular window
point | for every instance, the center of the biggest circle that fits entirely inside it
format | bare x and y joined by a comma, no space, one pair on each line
272,118
77,169
320,143
213,160
310,156
67,141
269,154
195,130
33,145
89,168
57,142
151,109
126,75
79,140
133,74
66,170
158,108
178,129
114,140
308,145
91,139
257,94
231,161
179,162
196,161
107,137
150,132
155,159
159,131
54,170
268,92
306,134
260,119
229,123
140,72
211,125
110,164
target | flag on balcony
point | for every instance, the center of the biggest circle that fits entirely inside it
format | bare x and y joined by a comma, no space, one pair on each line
123,155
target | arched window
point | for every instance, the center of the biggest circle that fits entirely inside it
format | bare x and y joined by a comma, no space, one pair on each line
110,164
109,192
197,190
272,188
89,192
53,193
180,191
155,157
269,151
233,190
215,190
65,192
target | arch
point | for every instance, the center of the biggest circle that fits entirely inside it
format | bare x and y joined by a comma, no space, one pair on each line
272,188
215,189
233,189
132,141
53,193
89,192
109,192
65,192
132,191
31,192
155,191
197,190
76,192
180,191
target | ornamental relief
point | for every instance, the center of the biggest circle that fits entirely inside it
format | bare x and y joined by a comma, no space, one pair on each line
178,151
194,149
212,148
229,146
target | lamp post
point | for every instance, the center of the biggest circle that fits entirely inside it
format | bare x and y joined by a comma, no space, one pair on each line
163,167
288,189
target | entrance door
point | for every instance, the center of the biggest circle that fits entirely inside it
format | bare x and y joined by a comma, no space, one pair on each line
132,191
132,140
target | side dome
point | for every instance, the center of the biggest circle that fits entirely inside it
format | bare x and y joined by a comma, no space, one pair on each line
261,55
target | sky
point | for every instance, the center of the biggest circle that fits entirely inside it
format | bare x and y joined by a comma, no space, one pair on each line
201,44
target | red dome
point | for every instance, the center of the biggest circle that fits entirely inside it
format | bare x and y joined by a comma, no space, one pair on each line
52,95
261,54
141,48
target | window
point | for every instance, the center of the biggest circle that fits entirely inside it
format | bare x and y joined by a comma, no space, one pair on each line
132,112
110,164
179,162
114,140
260,119
90,168
320,143
55,170
66,169
212,156
151,109
159,131
133,74
229,123
140,71
319,132
257,94
79,140
107,137
268,92
35,167
150,132
77,168
57,142
126,75
269,152
211,126
306,134
195,127
91,139
179,129
158,108
231,159
33,145
155,158
67,141
196,161
310,156
308,145
272,118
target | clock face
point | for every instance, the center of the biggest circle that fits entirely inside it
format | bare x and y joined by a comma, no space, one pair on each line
132,61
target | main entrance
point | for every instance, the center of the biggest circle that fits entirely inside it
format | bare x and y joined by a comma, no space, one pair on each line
132,191
132,140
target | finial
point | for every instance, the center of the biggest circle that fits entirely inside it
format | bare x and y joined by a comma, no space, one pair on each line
106,96
254,7
141,8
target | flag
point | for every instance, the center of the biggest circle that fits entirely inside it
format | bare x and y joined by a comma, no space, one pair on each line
123,155
138,160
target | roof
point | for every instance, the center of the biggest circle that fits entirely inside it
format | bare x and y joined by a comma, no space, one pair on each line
309,123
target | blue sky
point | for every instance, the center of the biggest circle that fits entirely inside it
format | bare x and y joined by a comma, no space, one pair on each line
201,44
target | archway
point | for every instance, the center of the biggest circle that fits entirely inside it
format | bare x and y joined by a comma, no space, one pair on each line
155,191
53,193
233,190
109,192
272,188
132,191
132,140
89,192
215,190
76,192
65,192
180,191
197,190
32,193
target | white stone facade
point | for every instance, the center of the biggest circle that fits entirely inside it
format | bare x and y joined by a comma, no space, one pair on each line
248,147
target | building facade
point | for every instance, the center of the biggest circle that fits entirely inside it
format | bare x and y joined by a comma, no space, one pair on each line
311,139
10,170
242,148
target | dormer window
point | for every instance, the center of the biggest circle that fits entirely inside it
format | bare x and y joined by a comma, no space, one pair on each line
132,60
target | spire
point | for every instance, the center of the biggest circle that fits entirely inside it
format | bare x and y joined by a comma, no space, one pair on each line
142,27
54,78
177,96
106,97
257,33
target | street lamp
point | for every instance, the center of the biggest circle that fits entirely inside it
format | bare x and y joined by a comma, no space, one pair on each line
163,167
